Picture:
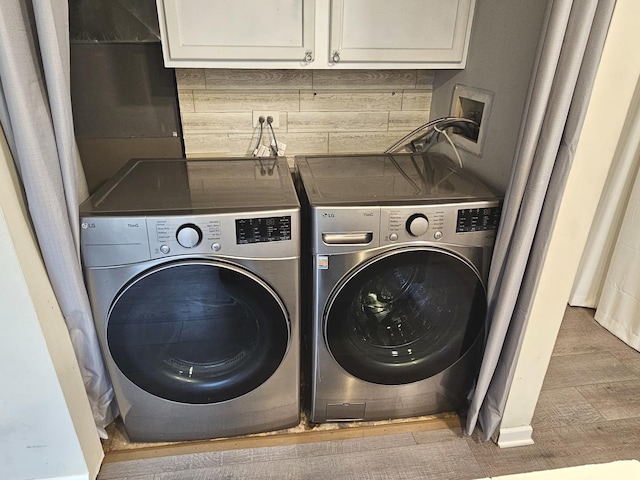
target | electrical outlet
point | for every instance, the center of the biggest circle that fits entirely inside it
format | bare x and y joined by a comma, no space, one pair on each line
259,113
474,104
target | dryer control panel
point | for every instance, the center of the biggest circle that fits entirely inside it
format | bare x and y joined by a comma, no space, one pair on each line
266,235
118,240
259,230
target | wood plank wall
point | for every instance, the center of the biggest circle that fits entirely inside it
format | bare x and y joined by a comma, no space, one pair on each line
320,111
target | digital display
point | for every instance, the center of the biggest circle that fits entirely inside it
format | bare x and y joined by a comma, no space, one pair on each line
256,230
477,219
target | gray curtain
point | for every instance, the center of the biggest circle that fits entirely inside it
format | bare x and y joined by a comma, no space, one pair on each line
35,112
568,55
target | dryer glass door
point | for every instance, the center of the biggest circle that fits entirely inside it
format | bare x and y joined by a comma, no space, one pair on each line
405,316
197,332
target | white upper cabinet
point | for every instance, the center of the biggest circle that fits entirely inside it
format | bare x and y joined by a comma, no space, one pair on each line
200,33
406,31
315,33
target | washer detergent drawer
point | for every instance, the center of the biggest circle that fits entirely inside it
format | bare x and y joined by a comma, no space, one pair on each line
110,241
339,229
347,238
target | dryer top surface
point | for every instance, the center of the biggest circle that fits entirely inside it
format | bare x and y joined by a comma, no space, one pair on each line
388,180
221,185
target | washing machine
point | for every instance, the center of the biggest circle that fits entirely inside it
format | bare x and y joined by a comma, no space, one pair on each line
399,248
192,270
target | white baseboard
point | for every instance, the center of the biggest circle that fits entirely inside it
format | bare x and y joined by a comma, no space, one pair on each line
515,436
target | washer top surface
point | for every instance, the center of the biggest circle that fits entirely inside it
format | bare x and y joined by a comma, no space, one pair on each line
173,186
388,180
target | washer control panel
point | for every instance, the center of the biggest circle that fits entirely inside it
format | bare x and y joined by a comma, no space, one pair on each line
477,222
345,229
478,219
411,223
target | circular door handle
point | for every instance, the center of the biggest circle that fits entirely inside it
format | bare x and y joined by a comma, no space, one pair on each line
308,56
336,56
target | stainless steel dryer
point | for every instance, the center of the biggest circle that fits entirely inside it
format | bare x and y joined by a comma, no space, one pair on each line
192,269
399,255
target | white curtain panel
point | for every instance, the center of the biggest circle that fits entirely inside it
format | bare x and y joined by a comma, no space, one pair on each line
619,307
35,111
610,213
608,278
568,55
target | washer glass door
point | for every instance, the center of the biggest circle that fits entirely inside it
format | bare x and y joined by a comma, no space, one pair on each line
405,316
197,331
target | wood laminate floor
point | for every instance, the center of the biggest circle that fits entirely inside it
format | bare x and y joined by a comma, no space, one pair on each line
588,412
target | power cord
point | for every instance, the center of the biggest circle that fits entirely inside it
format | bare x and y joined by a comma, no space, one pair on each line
274,147
257,149
273,134
261,122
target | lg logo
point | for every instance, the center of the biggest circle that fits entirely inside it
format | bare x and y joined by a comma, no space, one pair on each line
86,225
333,215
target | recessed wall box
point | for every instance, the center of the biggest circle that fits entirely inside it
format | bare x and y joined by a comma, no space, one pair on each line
474,104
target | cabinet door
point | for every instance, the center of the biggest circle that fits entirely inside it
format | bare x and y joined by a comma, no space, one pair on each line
403,31
195,32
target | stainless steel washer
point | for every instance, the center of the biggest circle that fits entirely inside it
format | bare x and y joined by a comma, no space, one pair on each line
192,269
399,251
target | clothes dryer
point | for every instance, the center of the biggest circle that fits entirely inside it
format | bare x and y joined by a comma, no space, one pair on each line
399,253
192,269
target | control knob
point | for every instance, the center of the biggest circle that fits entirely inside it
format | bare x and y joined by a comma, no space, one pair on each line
189,235
417,225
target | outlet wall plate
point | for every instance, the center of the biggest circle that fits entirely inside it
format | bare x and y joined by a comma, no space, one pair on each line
263,113
473,103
